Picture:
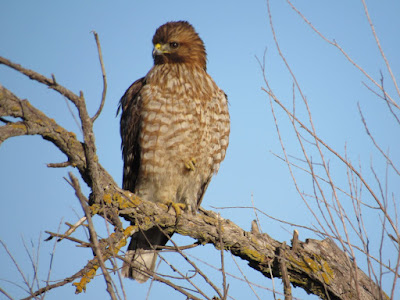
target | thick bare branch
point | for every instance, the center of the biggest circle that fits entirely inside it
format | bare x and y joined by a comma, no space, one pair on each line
34,122
86,121
319,262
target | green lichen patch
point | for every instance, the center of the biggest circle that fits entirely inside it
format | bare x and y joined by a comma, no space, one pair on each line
254,255
116,199
18,125
314,265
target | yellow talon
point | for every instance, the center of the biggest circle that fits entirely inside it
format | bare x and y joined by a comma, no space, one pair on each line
190,165
176,206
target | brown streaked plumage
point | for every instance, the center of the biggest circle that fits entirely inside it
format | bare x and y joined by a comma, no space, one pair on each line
175,132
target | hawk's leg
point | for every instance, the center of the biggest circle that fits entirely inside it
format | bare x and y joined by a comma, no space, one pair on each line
176,206
191,164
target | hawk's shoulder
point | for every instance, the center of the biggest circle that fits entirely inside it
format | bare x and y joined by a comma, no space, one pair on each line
130,106
130,96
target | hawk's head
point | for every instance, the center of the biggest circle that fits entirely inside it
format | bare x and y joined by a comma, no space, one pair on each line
178,42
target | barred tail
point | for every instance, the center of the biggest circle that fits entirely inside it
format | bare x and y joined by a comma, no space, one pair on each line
141,256
141,262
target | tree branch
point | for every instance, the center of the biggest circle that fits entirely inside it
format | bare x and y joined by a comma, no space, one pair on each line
103,72
51,83
319,267
93,235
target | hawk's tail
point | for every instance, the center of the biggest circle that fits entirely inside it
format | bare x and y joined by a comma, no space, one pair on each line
141,262
141,256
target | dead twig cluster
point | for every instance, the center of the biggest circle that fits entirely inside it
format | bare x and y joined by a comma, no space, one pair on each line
366,192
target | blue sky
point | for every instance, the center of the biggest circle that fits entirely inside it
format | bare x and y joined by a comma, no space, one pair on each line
55,38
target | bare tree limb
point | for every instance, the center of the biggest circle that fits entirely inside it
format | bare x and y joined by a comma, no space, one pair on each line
319,267
320,262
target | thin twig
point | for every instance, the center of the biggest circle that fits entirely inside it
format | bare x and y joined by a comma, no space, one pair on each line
73,114
245,277
324,180
287,288
5,294
198,270
380,47
224,286
33,263
4,120
42,79
93,236
388,159
152,281
191,246
103,71
341,158
155,277
59,165
52,257
388,103
63,236
335,44
272,279
72,228
55,285
176,287
16,265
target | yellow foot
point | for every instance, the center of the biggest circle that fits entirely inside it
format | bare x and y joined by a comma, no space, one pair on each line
176,206
190,165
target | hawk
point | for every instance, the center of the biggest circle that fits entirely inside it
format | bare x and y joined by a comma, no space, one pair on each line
175,132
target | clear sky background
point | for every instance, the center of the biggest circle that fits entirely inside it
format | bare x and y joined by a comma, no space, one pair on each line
54,37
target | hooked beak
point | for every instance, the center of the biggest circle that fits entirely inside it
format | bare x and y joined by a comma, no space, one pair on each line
159,49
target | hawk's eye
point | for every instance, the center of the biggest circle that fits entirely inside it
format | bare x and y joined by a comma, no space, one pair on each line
174,45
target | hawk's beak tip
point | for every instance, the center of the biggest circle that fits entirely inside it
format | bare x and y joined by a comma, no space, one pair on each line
159,49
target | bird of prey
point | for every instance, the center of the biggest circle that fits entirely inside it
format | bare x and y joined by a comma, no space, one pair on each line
175,131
